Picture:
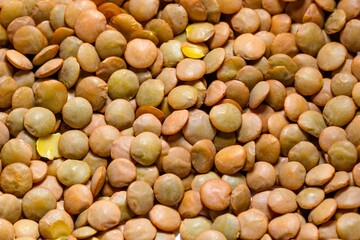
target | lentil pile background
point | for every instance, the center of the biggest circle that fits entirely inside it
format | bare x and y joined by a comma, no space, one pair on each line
191,119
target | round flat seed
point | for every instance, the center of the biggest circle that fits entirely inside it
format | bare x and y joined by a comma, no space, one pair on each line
84,232
249,47
215,92
60,34
331,56
305,60
39,170
98,180
182,97
190,69
23,97
295,105
285,226
347,225
348,198
168,77
282,200
258,94
69,47
308,81
57,16
335,22
88,57
340,180
69,72
126,24
45,55
18,60
343,84
49,68
110,43
198,127
150,93
175,122
194,50
276,95
312,122
199,32
221,35
339,111
251,127
140,53
276,122
310,197
161,29
230,68
214,59
124,84
225,117
343,155
93,89
245,21
47,146
250,76
89,24
323,212
320,175
29,40
172,53
348,36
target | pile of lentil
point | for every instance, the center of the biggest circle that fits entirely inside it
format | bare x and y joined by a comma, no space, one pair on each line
191,119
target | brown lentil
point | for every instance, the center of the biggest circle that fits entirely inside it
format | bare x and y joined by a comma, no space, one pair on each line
212,118
285,226
282,200
103,215
254,224
323,212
